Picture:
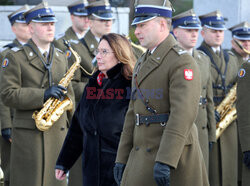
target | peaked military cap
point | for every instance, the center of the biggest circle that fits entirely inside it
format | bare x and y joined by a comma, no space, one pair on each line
241,31
78,8
186,20
17,16
100,9
213,20
40,13
146,10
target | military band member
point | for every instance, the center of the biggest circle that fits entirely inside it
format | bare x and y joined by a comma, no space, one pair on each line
30,76
159,143
22,33
223,155
241,34
186,29
80,25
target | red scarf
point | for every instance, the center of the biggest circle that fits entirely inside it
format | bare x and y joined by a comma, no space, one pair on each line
100,78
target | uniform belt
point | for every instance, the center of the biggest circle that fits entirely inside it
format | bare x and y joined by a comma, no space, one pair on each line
203,101
157,118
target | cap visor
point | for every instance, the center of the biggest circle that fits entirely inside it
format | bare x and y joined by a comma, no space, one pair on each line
45,20
216,27
138,20
104,16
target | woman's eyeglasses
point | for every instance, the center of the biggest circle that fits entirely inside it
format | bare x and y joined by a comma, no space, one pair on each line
103,52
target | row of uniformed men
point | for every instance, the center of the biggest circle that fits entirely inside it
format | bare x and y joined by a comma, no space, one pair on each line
222,162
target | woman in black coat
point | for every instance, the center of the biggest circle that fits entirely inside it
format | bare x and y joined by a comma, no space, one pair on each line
98,120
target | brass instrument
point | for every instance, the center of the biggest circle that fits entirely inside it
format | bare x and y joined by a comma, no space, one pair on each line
53,108
227,111
141,48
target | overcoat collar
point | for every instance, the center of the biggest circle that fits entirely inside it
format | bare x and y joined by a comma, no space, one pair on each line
155,59
71,33
91,41
34,56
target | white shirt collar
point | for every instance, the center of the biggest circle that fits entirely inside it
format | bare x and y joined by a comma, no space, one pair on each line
42,50
216,49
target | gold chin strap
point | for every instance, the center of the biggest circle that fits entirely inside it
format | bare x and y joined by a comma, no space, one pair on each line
241,47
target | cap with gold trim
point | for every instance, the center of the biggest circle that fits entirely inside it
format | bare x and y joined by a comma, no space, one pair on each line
40,13
146,10
213,20
17,16
241,31
78,8
186,20
100,9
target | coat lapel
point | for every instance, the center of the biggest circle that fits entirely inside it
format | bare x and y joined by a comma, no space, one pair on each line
91,42
155,59
33,58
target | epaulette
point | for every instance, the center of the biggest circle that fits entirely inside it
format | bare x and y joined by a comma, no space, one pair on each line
10,45
59,50
179,50
74,41
15,49
59,36
3,49
201,52
230,52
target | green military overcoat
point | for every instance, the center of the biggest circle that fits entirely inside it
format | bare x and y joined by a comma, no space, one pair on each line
242,106
6,115
223,156
172,79
24,80
205,120
69,35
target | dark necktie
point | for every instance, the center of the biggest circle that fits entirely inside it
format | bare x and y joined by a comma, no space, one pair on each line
217,52
45,55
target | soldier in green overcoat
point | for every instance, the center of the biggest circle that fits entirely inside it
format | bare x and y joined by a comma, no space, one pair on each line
186,28
30,76
80,25
159,142
223,155
241,34
22,33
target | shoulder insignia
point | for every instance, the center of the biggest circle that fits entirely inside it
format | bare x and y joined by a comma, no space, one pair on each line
231,53
5,62
74,41
179,50
3,49
201,52
68,53
59,50
15,49
241,72
59,36
188,74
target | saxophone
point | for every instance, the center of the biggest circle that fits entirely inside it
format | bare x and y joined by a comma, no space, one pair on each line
53,108
227,111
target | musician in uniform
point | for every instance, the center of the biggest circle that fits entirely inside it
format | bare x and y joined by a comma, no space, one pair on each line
223,155
159,143
22,33
241,34
186,29
30,76
80,25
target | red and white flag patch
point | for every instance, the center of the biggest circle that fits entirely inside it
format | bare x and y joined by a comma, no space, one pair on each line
188,74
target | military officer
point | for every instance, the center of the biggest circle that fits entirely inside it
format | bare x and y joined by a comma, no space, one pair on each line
241,48
159,143
80,25
243,119
185,28
241,34
30,76
22,33
223,155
